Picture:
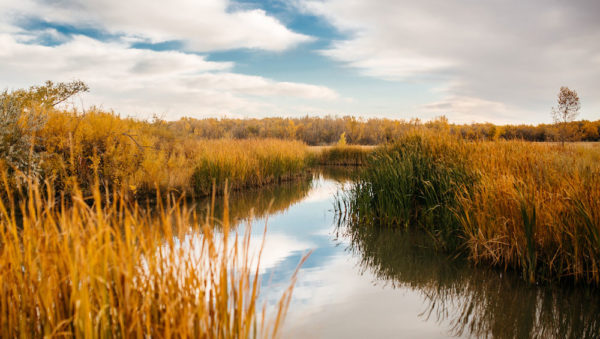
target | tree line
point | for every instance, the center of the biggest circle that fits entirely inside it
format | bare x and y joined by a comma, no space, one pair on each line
21,116
329,129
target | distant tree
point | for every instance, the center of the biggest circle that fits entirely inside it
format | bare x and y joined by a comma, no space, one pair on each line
566,111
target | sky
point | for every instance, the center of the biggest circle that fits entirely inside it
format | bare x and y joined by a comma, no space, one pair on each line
499,61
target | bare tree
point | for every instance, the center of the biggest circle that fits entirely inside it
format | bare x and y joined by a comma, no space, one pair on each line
20,120
566,111
17,133
50,94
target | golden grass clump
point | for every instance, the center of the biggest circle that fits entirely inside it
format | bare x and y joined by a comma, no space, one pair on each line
247,163
533,207
140,156
104,267
344,155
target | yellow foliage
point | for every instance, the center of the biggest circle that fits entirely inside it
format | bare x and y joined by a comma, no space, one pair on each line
555,189
128,152
107,268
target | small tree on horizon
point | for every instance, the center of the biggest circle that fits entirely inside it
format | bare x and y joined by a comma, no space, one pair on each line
342,140
566,111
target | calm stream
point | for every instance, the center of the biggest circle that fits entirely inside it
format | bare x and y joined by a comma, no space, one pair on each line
383,284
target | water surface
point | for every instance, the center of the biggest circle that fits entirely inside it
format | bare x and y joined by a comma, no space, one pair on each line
386,284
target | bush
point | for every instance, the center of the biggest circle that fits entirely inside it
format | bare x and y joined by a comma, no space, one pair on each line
18,129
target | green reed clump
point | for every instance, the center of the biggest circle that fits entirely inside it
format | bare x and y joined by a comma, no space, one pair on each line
414,182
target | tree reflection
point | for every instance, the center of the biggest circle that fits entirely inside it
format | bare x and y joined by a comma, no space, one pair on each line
260,202
272,199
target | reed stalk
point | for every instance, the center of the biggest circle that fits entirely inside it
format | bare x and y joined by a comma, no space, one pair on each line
101,266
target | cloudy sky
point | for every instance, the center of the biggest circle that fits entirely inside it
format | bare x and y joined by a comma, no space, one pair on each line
499,61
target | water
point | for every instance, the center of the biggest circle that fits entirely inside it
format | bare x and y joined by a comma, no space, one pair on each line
387,284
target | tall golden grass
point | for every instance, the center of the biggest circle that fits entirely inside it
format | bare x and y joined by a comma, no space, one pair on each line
247,163
533,207
102,266
139,155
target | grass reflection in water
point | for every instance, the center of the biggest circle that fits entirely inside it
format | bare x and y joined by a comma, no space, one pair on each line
474,301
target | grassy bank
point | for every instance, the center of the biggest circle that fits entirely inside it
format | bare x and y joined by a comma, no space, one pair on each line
109,268
342,155
139,156
530,207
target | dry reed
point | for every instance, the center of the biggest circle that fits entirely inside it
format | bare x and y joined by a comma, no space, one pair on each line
533,207
102,266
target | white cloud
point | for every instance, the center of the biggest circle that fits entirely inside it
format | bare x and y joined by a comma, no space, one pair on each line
83,56
141,82
510,53
380,61
256,85
202,26
336,300
461,109
277,248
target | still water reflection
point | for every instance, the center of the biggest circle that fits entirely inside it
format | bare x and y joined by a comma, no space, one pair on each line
362,283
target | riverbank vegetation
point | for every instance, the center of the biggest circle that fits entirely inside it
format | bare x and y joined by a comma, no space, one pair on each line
343,155
375,131
107,267
71,148
532,207
44,139
142,156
